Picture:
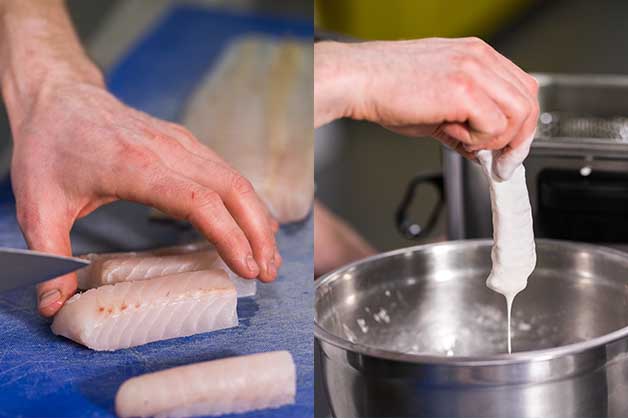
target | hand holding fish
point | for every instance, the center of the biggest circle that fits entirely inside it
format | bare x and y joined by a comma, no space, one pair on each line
460,91
76,148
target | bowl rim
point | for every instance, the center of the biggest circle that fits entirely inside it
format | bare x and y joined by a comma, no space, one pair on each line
322,334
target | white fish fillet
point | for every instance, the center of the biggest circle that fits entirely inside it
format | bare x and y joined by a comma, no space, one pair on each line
231,385
113,268
255,110
135,313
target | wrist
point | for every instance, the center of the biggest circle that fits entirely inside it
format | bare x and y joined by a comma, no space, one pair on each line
36,55
338,84
29,82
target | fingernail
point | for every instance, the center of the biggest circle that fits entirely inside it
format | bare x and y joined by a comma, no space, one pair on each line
49,298
272,268
251,264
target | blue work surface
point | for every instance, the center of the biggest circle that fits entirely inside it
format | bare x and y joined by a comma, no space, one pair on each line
45,375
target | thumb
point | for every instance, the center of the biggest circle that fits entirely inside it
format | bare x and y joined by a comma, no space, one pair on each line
49,233
511,158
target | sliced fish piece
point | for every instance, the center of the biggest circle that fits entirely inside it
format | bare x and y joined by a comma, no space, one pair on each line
170,250
110,268
134,313
226,386
255,110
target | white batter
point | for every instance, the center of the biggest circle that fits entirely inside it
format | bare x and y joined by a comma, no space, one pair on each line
513,253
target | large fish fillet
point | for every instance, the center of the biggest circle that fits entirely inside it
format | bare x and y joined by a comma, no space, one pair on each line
255,110
226,386
110,268
135,313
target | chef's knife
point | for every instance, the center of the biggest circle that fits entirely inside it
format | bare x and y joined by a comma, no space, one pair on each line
24,267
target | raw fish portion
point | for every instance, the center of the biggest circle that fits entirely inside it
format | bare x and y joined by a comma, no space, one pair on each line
110,268
134,313
226,386
131,268
171,250
255,110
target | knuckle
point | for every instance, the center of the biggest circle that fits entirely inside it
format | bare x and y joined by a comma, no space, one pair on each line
521,108
471,65
204,200
533,85
241,185
461,83
457,79
465,62
183,132
132,154
205,206
478,44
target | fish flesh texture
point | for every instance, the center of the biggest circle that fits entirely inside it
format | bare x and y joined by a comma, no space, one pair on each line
110,268
255,110
225,386
514,252
170,250
131,268
128,314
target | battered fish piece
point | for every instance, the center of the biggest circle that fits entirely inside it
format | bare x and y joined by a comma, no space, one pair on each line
514,252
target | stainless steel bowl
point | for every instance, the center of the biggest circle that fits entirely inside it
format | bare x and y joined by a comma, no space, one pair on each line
415,332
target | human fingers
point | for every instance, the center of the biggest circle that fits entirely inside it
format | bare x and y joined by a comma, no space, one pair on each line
156,185
47,229
238,196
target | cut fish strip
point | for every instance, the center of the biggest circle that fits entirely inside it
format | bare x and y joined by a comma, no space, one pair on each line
255,110
102,318
226,386
110,268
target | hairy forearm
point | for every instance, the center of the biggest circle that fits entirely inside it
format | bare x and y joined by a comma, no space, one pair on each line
38,48
337,85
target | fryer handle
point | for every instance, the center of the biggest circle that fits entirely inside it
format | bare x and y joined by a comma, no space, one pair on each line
406,226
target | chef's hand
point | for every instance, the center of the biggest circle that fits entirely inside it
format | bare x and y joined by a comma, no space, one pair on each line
460,91
76,147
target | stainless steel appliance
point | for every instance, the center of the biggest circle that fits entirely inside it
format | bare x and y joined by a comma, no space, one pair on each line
415,332
577,170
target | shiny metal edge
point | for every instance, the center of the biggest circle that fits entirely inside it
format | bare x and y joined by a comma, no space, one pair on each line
42,254
493,360
544,79
613,147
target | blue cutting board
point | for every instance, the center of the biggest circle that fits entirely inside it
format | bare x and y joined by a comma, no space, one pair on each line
45,375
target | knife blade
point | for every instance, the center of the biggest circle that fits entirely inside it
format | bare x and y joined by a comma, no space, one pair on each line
24,267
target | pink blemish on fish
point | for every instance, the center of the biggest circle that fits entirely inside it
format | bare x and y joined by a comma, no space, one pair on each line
123,307
137,305
101,309
110,310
